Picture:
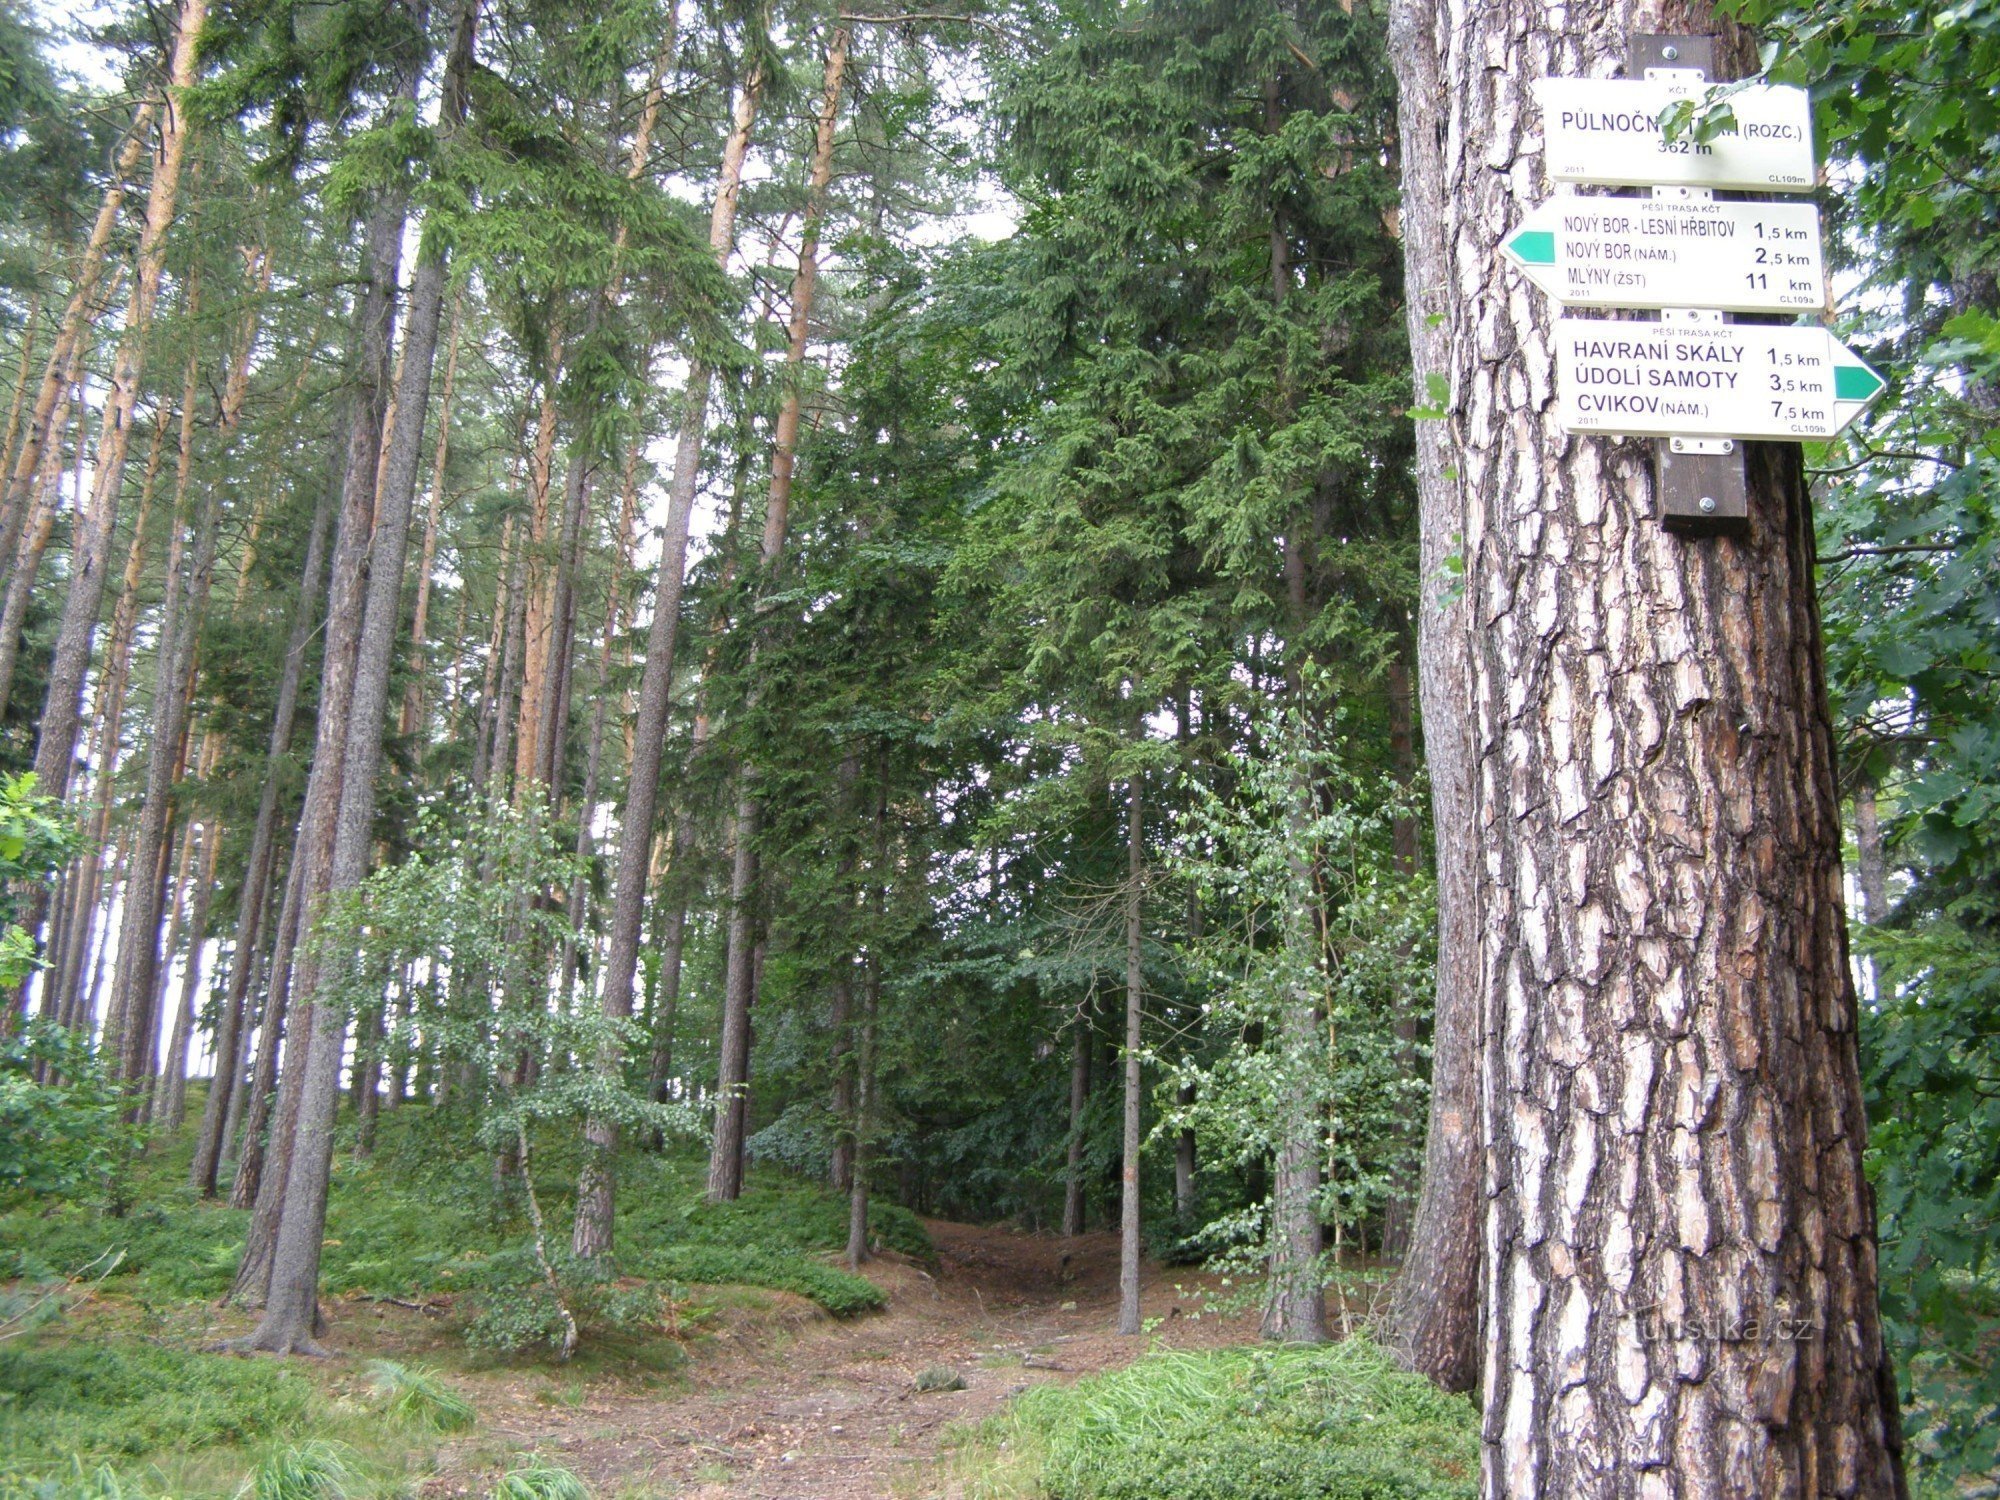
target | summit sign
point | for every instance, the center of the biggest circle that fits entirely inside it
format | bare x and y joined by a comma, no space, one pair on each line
1608,131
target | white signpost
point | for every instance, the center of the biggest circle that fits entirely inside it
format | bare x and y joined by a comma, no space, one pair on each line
1640,252
1608,131
1719,380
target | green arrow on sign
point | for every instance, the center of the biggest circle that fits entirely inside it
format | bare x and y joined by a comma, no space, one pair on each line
1534,247
1855,381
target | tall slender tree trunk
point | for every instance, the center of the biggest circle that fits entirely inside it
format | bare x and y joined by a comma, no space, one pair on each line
256,1136
347,588
173,1110
1433,1323
725,1161
1871,865
867,1066
594,1199
31,337
1135,995
1075,1187
186,604
1403,839
41,514
1679,1241
232,1033
76,319
413,697
178,895
290,1310
56,748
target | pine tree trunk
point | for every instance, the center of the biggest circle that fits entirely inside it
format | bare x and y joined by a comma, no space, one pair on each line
291,1307
725,1154
725,1162
173,1109
1434,1306
233,1034
1872,868
77,316
312,852
1074,1184
1403,838
1128,1215
184,607
413,698
55,750
41,514
867,1067
258,1133
1679,1268
594,1200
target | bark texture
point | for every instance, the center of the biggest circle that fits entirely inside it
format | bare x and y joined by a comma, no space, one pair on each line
1679,1246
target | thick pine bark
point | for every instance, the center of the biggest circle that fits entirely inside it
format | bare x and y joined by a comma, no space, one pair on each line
1679,1243
55,750
1128,1213
591,1234
1433,1323
291,1306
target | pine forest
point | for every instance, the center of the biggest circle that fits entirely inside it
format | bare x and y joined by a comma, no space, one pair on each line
1086,749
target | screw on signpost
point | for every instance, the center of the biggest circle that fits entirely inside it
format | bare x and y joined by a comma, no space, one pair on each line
1700,483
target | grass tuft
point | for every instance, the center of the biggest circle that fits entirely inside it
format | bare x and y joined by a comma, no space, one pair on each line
309,1471
540,1481
417,1397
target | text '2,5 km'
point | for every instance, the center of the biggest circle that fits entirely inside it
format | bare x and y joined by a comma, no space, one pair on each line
1696,376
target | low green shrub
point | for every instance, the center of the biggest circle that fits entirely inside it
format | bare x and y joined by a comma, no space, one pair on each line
65,1404
841,1294
776,1211
1337,1422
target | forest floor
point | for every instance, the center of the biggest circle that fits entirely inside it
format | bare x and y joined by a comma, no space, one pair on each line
799,1406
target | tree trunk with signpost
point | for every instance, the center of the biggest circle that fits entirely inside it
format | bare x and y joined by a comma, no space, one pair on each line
1679,1254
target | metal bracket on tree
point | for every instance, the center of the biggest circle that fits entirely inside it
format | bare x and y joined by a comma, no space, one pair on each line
1699,481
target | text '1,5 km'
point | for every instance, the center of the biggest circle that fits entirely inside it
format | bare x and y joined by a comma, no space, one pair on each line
1635,252
1706,380
1693,259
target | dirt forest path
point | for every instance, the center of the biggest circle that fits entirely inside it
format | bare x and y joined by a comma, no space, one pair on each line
829,1410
